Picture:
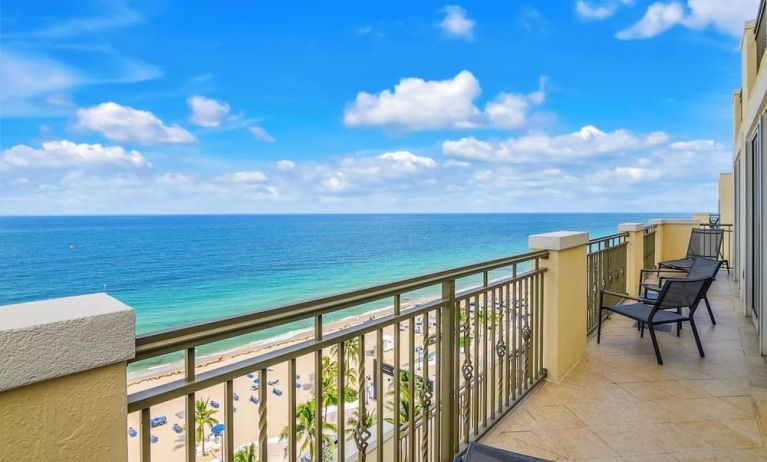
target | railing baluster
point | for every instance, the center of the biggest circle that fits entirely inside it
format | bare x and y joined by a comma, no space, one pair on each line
362,433
438,388
379,395
477,372
291,449
146,447
397,352
189,412
448,385
411,391
507,364
263,449
229,425
341,411
425,397
318,390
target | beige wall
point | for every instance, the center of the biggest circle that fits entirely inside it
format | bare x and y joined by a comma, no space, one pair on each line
78,417
672,240
726,198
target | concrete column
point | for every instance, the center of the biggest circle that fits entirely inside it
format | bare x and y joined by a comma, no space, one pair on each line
564,300
702,217
634,255
63,392
672,237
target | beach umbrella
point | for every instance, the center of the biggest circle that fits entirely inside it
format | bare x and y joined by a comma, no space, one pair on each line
217,429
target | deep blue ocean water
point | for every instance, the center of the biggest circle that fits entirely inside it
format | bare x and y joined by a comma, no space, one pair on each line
177,270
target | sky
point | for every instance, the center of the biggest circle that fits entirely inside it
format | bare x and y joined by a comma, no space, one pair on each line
158,107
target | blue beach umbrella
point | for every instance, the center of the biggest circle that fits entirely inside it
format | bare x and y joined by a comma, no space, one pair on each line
217,429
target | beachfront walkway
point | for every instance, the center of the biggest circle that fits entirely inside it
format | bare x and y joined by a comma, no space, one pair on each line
618,404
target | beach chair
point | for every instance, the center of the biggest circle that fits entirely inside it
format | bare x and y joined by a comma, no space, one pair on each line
253,399
277,391
178,428
700,268
215,404
154,439
706,243
132,432
674,295
235,396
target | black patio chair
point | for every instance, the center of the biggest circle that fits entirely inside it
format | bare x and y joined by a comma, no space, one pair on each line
675,294
700,268
704,242
481,453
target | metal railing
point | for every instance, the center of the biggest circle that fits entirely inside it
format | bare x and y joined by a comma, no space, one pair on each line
606,261
648,245
725,254
455,365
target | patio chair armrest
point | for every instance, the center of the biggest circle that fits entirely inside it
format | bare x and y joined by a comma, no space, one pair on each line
626,296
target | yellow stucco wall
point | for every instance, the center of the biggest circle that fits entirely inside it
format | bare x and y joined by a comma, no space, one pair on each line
79,417
564,317
634,261
671,241
726,199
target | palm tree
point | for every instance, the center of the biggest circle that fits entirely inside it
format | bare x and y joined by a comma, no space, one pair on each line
246,454
203,415
404,398
351,355
305,428
329,384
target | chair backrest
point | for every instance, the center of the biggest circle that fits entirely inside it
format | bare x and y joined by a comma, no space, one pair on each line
704,268
681,293
705,243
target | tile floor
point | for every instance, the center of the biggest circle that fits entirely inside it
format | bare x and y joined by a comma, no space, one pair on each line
617,404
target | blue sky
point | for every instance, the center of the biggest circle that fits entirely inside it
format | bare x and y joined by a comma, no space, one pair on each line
197,107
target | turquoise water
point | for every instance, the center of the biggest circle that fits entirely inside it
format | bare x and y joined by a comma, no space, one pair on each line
175,270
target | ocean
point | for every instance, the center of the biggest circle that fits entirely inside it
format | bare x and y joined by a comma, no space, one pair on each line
176,270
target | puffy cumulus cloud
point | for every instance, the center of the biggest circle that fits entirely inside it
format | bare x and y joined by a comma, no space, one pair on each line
589,141
457,23
599,9
247,177
725,16
126,124
261,134
698,145
207,112
417,104
66,154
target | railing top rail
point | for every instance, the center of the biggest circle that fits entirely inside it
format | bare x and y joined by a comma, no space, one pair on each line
597,240
177,339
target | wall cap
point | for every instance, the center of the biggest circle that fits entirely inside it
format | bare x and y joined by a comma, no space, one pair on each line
673,221
558,240
630,227
47,339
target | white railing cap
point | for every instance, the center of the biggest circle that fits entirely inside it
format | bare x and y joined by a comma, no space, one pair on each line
673,221
629,227
558,240
43,340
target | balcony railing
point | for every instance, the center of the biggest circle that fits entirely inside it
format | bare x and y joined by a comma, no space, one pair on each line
455,364
648,260
606,262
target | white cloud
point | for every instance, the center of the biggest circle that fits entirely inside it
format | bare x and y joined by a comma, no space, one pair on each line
242,177
452,163
261,134
587,142
125,124
285,165
417,104
66,154
598,9
698,145
27,81
456,23
207,112
725,16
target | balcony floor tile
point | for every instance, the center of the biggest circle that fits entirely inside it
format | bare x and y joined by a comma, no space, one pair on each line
618,404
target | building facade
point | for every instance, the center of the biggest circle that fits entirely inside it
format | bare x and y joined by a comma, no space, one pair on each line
749,167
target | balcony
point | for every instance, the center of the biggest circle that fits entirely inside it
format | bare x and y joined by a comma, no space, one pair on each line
618,404
498,352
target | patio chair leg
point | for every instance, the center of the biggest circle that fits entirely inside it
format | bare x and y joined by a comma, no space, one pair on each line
599,326
641,331
655,344
679,323
710,313
697,339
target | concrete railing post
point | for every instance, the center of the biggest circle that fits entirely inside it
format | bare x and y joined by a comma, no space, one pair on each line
63,391
672,237
634,255
564,299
